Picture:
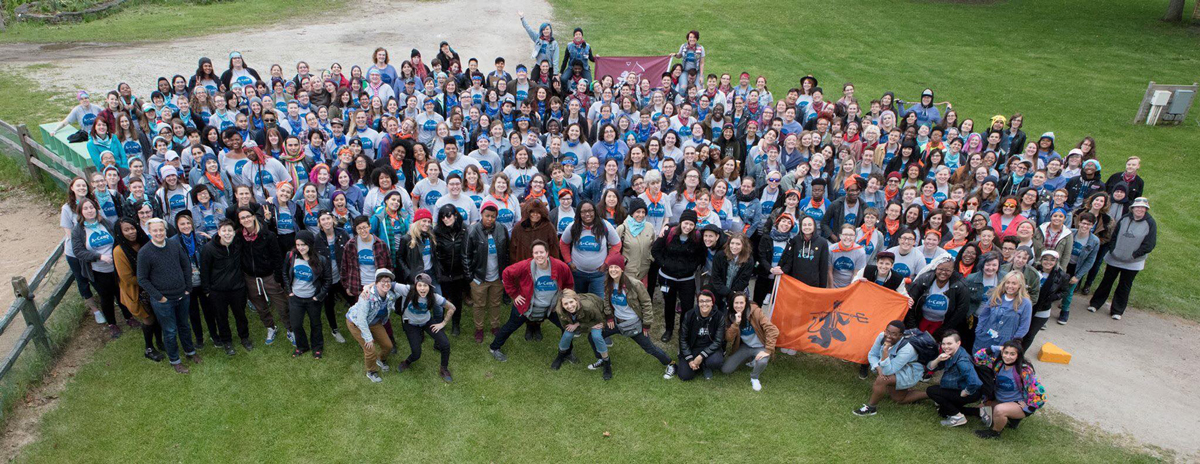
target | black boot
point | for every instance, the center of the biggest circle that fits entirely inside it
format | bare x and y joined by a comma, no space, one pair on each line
558,360
607,366
666,338
529,332
537,332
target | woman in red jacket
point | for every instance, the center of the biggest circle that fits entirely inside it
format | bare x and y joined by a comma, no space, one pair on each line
534,285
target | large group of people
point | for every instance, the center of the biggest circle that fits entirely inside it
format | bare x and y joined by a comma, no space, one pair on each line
430,189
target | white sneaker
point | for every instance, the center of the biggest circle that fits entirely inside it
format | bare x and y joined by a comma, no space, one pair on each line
755,384
291,336
788,351
338,336
382,367
669,371
1091,309
99,317
1116,317
271,335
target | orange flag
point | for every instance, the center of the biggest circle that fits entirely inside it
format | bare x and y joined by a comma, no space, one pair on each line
838,322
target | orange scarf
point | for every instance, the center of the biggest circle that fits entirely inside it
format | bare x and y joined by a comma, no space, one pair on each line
215,180
892,225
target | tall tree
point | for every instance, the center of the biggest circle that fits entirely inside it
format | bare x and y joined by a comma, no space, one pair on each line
1174,11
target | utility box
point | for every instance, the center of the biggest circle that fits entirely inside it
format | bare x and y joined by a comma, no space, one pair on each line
1178,108
1166,104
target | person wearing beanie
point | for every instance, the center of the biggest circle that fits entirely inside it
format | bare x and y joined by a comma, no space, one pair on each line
637,236
1088,182
579,52
423,311
629,311
1135,236
416,253
579,313
701,339
306,279
485,257
771,244
679,253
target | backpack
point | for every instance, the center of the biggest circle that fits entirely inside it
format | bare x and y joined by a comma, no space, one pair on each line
987,375
922,342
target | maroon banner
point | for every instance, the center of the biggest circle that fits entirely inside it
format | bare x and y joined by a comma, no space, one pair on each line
650,67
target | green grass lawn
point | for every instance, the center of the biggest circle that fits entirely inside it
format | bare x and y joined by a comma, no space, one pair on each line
265,406
166,19
1074,67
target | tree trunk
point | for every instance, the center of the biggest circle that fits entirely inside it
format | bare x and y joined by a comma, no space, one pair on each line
1174,11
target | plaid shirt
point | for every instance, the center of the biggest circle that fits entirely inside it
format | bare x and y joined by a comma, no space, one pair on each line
351,280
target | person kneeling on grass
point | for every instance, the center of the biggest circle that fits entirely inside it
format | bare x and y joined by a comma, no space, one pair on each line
630,313
897,367
425,312
751,336
580,312
701,339
1017,393
960,384
365,321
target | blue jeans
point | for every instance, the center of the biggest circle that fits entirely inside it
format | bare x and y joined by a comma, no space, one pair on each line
174,318
597,337
589,282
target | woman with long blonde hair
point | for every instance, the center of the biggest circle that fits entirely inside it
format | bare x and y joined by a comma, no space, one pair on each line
1006,314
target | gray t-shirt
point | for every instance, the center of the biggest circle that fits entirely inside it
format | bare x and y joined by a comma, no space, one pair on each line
936,303
366,261
544,286
427,254
100,241
589,252
908,265
749,337
335,275
620,305
84,117
493,260
302,279
845,264
418,312
67,219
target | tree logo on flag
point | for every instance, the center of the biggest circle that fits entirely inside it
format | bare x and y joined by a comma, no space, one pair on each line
827,325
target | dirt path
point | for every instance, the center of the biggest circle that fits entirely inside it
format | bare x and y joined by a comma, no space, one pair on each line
28,233
1133,382
1135,377
492,30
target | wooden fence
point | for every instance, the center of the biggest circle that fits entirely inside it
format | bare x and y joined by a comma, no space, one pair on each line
39,160
33,303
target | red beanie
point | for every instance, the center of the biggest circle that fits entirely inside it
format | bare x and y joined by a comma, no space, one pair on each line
615,259
422,214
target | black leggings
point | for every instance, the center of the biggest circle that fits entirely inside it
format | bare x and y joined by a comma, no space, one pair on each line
336,291
951,402
220,304
416,336
682,291
152,332
455,290
106,286
762,288
200,305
